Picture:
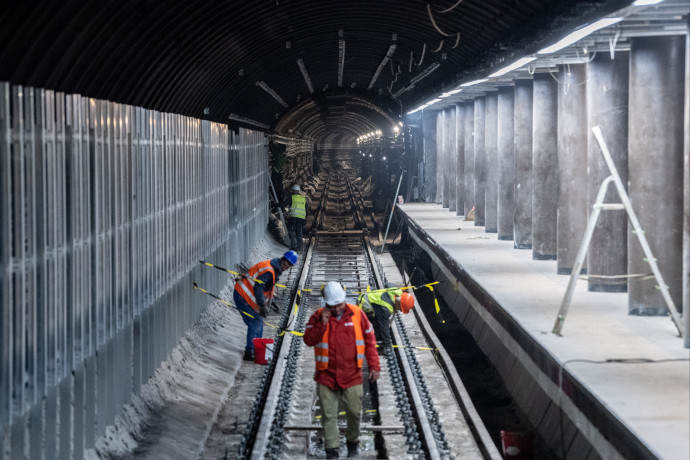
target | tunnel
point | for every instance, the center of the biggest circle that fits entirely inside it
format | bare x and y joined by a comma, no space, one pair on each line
532,157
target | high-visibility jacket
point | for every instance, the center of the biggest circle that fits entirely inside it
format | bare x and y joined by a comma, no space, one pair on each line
342,370
383,298
321,348
245,286
298,208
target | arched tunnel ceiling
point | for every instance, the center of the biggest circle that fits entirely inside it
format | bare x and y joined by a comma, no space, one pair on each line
251,62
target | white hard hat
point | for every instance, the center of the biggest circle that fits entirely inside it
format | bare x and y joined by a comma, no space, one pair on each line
295,187
333,293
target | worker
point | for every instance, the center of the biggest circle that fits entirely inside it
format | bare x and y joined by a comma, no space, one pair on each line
298,216
381,307
254,292
342,336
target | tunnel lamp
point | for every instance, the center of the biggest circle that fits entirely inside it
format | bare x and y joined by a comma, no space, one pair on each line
646,2
470,83
370,155
515,65
400,123
396,129
384,158
579,34
378,132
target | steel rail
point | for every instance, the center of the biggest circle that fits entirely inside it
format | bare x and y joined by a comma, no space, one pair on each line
421,427
272,399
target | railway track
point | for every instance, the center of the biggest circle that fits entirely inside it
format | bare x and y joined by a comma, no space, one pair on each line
401,419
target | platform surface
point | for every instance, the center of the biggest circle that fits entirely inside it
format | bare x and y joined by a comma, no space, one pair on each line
651,398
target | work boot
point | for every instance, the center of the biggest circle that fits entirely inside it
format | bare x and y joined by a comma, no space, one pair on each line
352,449
332,453
248,356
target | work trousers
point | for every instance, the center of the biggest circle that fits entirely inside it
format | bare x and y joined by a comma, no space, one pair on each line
295,226
380,319
352,399
255,325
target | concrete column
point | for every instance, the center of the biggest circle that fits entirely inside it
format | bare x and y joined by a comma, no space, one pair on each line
446,159
460,159
686,194
469,156
491,145
655,151
452,157
439,157
430,176
607,107
479,160
524,177
572,164
506,163
545,166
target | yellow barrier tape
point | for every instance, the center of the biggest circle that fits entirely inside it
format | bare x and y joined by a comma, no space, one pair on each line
282,331
236,273
438,308
402,288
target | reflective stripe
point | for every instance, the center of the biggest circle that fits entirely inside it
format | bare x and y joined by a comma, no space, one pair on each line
247,291
321,349
245,286
370,330
381,298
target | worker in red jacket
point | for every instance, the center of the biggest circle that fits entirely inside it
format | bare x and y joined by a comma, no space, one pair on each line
342,336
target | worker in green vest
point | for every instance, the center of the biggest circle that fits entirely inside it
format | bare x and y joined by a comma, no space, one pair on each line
298,215
381,306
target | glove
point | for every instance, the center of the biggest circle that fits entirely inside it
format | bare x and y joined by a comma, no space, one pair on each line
263,311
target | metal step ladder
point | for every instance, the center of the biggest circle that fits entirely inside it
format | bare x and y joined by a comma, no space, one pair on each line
599,206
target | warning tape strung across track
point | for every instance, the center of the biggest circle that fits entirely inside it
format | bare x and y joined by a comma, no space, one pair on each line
282,331
244,276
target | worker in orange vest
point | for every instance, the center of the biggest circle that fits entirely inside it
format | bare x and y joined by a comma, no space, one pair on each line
342,337
254,292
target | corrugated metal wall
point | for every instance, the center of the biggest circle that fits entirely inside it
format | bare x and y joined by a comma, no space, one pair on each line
105,211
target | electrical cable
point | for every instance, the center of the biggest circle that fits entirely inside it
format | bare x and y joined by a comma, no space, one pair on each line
433,23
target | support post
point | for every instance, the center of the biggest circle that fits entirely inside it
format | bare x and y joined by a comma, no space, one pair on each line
392,209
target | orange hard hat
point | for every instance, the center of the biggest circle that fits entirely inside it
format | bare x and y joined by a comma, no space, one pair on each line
406,302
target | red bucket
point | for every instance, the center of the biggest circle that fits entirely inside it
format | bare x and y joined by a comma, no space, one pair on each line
516,446
263,350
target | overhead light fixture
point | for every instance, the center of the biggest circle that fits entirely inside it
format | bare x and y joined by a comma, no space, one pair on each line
246,120
396,129
646,2
515,65
389,55
475,82
341,58
270,91
305,74
579,34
